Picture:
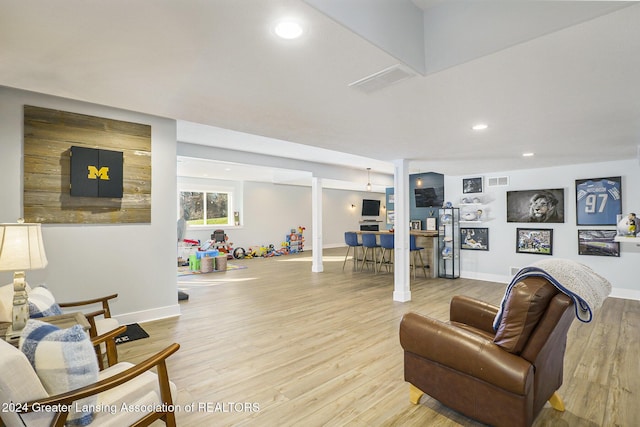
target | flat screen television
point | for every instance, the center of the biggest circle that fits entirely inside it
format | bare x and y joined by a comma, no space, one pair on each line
427,198
370,207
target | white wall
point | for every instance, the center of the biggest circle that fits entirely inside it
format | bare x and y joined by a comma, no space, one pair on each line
270,211
137,261
495,264
339,216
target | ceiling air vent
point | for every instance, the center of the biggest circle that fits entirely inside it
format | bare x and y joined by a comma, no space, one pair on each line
382,79
498,181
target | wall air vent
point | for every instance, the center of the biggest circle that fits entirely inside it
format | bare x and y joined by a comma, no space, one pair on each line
383,79
498,181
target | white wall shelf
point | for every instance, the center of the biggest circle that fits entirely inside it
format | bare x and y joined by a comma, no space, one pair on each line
625,239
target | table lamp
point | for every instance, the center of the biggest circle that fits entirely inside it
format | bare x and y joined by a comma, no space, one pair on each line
21,249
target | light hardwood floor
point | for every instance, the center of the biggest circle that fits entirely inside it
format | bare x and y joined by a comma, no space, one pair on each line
276,344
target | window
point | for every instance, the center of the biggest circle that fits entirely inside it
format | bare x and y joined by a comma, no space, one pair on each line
209,202
205,208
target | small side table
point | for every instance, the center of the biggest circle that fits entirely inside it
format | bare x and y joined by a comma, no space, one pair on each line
62,321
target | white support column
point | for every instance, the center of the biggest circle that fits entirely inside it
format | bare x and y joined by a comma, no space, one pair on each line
402,277
316,220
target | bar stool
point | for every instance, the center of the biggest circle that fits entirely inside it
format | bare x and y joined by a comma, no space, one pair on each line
413,249
351,239
387,244
369,242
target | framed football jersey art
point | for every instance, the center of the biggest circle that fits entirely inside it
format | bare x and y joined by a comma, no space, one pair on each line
598,200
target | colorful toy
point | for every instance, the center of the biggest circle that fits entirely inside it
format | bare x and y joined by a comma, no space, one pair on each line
256,251
239,253
627,225
220,241
293,243
296,240
207,245
270,251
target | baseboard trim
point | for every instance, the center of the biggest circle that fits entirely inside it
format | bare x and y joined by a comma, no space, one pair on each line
149,315
334,245
486,277
625,293
402,296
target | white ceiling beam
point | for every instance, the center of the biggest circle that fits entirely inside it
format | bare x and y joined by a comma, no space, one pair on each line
395,26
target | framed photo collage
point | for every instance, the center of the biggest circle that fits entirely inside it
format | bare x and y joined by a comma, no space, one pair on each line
598,212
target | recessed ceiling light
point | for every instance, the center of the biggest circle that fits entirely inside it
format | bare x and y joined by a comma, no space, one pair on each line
480,126
527,154
288,29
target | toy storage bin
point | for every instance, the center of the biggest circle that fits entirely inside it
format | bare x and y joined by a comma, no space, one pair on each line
206,264
194,263
221,263
212,253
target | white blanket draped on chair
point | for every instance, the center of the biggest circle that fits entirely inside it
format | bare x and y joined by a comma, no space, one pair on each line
587,288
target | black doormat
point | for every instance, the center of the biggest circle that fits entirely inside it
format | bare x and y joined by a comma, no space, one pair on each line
133,332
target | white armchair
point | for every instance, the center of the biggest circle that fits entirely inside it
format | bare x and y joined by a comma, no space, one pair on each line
24,396
100,319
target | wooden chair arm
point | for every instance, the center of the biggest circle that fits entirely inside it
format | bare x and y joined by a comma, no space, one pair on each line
102,300
109,344
91,318
89,301
64,400
108,338
108,335
94,314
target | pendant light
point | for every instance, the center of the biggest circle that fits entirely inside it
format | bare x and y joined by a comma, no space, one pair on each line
368,179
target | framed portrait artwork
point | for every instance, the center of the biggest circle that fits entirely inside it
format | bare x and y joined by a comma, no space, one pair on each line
416,224
598,242
472,185
534,241
536,206
476,239
391,217
598,200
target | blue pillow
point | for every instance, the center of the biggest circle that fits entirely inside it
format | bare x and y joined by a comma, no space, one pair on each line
64,360
42,303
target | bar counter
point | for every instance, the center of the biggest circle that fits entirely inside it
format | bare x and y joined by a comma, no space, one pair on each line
426,239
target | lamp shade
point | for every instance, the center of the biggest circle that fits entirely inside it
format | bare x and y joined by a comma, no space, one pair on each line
21,247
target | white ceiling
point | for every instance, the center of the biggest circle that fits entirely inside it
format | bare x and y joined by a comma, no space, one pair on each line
567,90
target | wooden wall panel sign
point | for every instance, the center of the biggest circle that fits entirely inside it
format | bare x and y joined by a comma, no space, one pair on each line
49,136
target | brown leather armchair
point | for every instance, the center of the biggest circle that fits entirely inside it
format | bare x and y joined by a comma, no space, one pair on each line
502,377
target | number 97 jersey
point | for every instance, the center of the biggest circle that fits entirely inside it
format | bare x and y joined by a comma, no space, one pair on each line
599,201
